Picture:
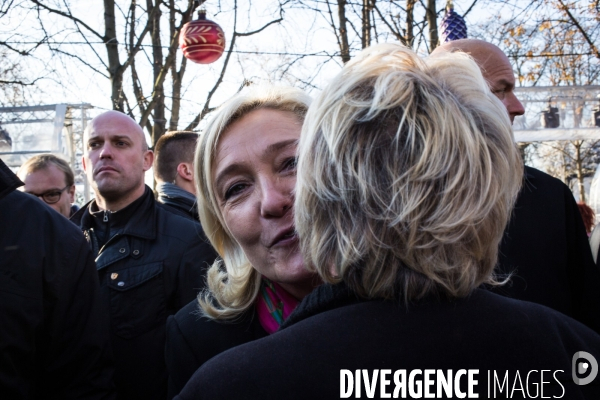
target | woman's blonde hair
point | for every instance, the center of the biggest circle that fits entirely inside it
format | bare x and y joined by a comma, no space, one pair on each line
233,283
407,176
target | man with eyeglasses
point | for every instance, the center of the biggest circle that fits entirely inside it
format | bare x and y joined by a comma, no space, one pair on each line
51,179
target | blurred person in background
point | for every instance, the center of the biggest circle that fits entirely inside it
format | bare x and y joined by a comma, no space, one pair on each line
174,172
588,215
51,179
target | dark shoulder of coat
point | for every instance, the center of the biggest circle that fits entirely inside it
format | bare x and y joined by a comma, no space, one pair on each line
55,331
546,248
188,230
484,332
180,209
190,216
192,340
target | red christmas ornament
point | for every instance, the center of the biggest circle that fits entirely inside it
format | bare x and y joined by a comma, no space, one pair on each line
202,40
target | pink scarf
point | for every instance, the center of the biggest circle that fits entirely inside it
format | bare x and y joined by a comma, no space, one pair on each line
273,305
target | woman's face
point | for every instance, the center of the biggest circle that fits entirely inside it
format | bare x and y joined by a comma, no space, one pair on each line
254,174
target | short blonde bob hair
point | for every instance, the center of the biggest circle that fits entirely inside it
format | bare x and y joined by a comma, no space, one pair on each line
407,175
233,283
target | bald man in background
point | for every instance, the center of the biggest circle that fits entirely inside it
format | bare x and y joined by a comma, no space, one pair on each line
545,245
150,261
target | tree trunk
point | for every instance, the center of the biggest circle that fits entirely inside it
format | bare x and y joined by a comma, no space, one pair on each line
176,76
410,21
432,23
579,169
158,110
115,69
344,47
367,6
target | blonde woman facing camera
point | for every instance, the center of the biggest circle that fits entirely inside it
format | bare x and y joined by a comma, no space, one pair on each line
406,177
245,177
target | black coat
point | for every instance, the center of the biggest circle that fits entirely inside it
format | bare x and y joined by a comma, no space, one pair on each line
54,332
153,267
331,331
546,247
192,340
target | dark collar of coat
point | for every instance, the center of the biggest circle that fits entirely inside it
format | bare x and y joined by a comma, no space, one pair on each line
142,224
324,298
329,297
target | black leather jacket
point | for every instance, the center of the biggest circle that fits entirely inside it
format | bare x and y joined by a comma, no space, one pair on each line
153,266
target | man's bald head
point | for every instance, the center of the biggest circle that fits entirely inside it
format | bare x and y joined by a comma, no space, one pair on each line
115,159
495,67
467,46
116,119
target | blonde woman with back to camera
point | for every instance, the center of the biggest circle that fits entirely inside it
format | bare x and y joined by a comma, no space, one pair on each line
406,177
245,176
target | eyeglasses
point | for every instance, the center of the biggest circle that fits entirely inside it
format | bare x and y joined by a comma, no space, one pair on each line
52,196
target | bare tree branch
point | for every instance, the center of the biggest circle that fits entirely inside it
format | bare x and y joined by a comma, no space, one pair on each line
81,60
161,73
6,5
20,52
581,30
70,16
18,82
470,8
275,21
397,34
342,35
